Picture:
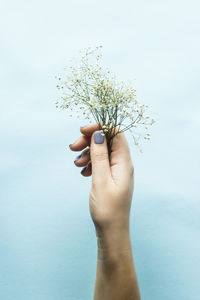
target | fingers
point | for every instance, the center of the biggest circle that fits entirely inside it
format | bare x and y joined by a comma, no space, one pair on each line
120,160
82,142
120,148
89,129
99,158
120,156
87,171
82,159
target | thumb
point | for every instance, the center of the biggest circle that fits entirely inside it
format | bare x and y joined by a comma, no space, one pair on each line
99,158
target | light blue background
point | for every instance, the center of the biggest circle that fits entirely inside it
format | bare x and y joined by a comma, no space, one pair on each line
47,239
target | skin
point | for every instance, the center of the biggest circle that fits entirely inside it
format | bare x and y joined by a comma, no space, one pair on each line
110,202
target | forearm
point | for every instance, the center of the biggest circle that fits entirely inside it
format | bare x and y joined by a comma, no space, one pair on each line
115,276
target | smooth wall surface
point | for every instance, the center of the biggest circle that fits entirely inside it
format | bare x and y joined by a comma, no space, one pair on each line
47,238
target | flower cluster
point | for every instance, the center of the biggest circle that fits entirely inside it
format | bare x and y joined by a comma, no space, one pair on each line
96,95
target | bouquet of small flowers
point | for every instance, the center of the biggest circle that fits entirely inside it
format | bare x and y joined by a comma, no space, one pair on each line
91,91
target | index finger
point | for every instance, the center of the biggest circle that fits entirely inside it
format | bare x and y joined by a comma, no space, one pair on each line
89,129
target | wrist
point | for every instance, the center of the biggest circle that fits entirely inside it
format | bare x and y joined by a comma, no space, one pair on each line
113,241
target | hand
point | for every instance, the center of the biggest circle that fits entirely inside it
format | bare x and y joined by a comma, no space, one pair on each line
112,182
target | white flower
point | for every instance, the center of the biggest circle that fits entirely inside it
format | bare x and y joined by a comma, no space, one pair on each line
95,93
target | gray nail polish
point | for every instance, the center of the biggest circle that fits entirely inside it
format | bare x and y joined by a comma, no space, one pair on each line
98,138
77,158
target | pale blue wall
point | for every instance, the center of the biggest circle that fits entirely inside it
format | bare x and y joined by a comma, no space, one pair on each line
47,239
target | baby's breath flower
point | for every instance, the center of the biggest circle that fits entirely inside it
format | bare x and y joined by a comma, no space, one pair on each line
94,93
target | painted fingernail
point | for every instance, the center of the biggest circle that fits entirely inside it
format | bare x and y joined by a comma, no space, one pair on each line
77,158
83,170
70,145
98,138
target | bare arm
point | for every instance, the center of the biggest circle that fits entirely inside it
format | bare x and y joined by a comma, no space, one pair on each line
115,275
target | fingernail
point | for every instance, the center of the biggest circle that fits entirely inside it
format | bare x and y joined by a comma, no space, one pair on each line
83,170
77,158
98,138
72,144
